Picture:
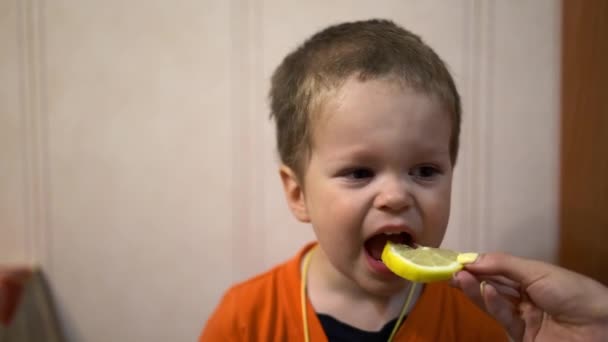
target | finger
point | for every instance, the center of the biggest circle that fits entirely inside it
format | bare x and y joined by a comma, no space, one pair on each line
533,318
503,285
470,286
503,310
499,279
517,269
512,293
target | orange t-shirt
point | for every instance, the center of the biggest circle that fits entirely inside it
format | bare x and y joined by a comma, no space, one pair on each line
267,308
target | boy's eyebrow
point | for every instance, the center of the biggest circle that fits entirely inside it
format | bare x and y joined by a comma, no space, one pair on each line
351,155
365,154
361,150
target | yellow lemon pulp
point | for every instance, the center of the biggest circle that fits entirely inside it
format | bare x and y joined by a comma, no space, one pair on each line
424,264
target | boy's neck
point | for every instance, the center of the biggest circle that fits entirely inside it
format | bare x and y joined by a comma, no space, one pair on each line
330,292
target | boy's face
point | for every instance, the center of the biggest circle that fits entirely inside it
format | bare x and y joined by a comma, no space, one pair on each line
380,163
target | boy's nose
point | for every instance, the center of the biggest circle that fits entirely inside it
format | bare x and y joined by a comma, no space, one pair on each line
394,196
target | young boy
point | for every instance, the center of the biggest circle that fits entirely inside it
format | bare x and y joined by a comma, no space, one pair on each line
368,120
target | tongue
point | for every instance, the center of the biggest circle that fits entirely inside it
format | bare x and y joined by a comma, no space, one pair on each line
375,244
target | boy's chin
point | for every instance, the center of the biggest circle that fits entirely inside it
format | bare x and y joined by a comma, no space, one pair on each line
384,288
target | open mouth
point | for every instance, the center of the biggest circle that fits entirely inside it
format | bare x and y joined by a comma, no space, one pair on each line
375,244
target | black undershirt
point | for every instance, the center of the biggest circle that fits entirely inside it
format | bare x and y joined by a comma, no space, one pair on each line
337,331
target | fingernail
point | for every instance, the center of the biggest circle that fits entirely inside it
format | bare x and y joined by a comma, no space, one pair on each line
482,286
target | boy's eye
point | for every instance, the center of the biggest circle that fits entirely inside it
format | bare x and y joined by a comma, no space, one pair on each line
424,172
358,174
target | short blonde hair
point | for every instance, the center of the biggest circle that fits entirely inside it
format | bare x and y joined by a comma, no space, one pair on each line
369,49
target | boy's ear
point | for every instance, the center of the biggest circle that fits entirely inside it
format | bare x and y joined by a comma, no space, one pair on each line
294,193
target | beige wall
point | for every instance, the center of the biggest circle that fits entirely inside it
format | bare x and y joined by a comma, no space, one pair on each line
138,166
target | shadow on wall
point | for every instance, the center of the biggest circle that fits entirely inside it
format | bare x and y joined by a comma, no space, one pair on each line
34,317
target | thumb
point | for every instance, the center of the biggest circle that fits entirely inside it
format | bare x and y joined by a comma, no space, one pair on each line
503,310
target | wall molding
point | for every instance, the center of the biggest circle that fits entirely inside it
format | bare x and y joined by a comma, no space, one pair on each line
34,125
247,126
477,134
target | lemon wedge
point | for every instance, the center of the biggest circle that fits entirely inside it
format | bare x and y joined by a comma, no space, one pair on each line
424,264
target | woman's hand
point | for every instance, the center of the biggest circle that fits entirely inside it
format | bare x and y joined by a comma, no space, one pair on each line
536,301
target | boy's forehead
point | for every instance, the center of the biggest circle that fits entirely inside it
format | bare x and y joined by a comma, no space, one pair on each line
359,106
354,93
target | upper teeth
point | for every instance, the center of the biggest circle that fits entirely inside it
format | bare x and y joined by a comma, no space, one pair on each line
392,233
